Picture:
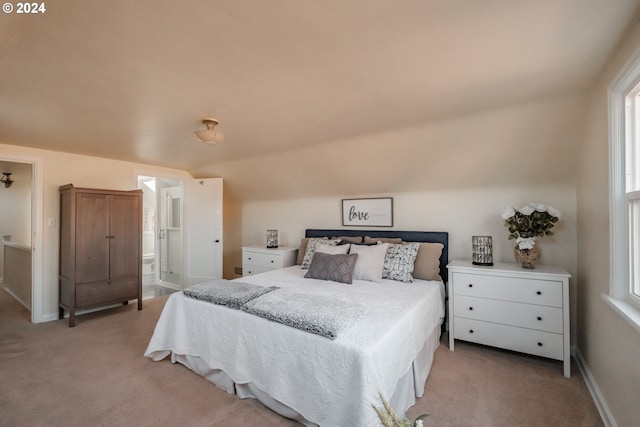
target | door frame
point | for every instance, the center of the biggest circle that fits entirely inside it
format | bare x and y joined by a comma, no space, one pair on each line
37,285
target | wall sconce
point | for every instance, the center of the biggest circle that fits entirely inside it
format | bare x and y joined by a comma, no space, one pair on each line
6,180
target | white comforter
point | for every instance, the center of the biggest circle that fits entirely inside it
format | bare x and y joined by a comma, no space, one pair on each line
331,383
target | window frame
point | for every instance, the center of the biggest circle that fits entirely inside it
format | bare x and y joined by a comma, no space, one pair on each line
620,295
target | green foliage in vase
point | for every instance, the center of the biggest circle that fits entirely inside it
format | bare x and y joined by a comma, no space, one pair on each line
530,221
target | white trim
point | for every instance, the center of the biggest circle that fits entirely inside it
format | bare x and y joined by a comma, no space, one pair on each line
598,398
629,312
623,84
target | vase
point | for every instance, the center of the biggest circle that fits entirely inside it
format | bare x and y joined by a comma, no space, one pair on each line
527,258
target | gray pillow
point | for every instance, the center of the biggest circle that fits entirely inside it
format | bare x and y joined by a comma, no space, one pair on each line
338,268
311,249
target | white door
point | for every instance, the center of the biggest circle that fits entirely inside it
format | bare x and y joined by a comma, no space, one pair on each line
202,225
170,235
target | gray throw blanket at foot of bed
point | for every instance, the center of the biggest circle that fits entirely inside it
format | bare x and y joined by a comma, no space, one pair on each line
310,313
224,292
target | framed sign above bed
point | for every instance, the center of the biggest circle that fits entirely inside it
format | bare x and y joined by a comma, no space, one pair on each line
377,212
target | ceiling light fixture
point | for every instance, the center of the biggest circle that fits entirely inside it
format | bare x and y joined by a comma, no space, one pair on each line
6,179
209,135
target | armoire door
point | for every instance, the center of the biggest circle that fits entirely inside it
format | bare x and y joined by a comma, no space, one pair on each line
124,236
92,237
202,230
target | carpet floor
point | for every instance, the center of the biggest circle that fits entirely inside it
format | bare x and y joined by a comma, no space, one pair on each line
95,375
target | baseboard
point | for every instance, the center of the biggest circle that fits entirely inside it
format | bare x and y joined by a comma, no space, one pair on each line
49,317
596,394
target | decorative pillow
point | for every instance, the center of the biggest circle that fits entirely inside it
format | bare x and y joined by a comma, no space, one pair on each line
333,250
370,261
338,268
398,263
351,239
311,249
373,240
427,265
303,248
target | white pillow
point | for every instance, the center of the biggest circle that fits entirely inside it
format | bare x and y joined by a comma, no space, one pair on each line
311,249
332,250
370,261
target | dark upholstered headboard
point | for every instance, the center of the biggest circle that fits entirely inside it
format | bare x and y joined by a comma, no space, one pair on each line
407,236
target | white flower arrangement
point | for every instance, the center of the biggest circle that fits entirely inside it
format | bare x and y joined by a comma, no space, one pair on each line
530,221
388,417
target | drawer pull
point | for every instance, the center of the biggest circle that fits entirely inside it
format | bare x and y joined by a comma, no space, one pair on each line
271,261
539,293
470,331
470,308
539,344
539,318
470,285
249,258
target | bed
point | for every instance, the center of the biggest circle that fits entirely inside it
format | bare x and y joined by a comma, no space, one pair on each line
312,378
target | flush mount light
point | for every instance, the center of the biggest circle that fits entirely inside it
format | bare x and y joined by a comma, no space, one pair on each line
209,135
6,179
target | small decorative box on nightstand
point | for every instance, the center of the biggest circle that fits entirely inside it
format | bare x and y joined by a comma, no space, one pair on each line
258,259
509,307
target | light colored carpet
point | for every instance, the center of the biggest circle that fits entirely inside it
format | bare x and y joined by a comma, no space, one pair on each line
95,375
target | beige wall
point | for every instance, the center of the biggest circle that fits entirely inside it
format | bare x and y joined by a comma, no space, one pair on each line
454,176
607,343
81,171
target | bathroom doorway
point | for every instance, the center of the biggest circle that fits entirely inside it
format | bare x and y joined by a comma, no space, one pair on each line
161,235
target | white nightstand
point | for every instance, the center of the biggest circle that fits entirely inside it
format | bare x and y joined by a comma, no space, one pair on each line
258,259
510,307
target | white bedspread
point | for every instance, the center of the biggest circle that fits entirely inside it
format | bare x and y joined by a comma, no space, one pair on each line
331,383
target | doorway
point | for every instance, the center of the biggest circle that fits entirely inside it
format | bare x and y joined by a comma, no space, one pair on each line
19,234
161,235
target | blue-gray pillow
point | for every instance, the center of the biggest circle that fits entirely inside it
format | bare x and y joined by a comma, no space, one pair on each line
338,268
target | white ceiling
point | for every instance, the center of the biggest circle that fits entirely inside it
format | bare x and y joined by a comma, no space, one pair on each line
131,80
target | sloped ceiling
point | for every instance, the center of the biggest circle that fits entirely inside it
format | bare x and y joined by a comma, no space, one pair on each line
131,80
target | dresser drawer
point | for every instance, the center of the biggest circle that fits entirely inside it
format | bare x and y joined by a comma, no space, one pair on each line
260,259
248,270
529,291
545,344
93,293
539,317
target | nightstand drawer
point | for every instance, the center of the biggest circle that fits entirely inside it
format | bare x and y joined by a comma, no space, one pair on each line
545,344
269,261
259,259
248,270
529,291
539,317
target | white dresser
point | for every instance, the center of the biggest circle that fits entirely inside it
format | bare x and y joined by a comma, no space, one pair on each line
258,259
510,307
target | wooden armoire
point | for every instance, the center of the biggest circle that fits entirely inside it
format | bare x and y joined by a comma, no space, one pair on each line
100,248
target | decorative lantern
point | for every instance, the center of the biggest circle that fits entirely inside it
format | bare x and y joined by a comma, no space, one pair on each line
272,239
482,250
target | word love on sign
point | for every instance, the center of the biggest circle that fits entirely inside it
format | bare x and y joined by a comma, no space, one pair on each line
376,212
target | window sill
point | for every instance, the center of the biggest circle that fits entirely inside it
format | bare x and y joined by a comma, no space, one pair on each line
629,312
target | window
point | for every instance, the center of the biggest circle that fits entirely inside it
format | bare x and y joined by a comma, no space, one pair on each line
632,190
624,172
